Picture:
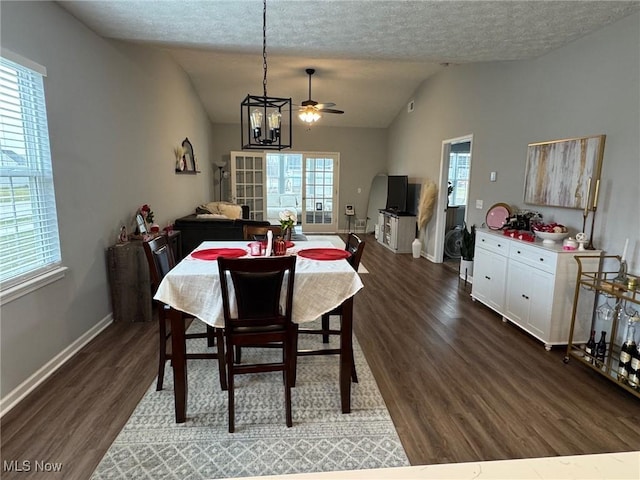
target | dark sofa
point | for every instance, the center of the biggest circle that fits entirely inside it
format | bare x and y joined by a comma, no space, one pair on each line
196,230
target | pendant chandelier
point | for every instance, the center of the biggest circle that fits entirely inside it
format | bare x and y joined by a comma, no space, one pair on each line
261,117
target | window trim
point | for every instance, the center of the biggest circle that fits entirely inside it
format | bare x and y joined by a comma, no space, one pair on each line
57,271
25,62
31,285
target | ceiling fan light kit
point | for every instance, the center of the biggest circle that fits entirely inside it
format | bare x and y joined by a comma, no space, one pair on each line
261,116
309,115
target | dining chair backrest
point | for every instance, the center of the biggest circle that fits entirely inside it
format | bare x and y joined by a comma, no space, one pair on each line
258,284
161,260
256,232
355,246
159,257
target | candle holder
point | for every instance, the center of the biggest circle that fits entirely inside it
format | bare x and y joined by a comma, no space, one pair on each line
593,220
585,214
594,208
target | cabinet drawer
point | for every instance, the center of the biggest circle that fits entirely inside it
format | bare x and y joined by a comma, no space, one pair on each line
536,257
493,243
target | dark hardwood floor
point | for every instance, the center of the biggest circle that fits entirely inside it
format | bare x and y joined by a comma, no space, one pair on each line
460,384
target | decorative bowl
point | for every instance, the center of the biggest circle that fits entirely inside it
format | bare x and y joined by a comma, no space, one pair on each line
550,238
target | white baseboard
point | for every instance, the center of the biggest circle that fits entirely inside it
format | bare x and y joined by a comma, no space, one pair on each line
48,369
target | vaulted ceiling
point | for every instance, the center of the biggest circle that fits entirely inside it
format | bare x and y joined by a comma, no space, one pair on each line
369,56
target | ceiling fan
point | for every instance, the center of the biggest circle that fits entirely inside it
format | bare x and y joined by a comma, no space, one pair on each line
311,110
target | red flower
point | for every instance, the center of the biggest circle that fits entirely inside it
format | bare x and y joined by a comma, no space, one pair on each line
147,214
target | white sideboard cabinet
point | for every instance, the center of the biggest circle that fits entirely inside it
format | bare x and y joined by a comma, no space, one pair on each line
529,283
396,231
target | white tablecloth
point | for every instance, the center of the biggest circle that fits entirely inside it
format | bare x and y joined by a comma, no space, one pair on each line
193,286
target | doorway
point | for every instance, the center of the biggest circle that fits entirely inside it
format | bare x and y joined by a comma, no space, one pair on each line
306,183
302,182
453,202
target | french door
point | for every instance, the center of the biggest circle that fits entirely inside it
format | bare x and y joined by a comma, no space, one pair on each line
320,192
247,182
305,182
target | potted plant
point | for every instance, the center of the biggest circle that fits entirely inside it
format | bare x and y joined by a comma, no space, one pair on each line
467,247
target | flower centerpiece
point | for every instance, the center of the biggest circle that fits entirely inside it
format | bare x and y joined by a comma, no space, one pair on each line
287,220
147,215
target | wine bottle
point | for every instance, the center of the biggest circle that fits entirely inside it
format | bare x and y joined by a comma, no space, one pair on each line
601,350
628,347
590,347
634,373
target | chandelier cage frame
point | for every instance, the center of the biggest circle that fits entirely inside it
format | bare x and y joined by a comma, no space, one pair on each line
261,116
266,105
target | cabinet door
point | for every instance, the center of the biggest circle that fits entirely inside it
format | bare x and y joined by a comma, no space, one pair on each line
489,278
381,227
539,320
393,232
518,295
529,298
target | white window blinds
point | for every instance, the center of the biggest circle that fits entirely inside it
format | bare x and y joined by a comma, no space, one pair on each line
29,241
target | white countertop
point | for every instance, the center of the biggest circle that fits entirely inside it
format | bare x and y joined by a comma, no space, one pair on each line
553,247
607,466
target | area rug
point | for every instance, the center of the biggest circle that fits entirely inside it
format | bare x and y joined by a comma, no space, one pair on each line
152,446
337,242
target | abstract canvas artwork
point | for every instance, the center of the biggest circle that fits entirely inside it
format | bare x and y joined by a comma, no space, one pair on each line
563,173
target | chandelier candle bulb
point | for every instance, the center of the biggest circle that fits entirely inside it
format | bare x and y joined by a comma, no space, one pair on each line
595,195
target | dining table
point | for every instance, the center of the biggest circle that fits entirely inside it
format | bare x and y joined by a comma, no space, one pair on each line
324,279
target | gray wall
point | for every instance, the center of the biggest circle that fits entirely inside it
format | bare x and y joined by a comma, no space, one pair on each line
115,114
363,154
589,87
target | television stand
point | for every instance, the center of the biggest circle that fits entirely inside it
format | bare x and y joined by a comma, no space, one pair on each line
396,231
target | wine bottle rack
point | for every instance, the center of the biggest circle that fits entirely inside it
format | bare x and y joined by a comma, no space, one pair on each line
604,280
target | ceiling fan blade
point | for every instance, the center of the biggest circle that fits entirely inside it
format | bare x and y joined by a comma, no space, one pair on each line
330,110
325,105
313,105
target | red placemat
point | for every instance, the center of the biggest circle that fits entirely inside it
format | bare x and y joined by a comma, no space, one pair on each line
324,253
214,253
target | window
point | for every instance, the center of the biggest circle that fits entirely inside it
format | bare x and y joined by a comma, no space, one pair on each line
459,177
29,241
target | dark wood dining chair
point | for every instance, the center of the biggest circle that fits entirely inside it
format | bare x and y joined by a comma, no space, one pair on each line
355,246
161,260
258,284
256,232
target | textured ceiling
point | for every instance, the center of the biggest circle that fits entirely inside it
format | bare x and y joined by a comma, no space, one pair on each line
369,55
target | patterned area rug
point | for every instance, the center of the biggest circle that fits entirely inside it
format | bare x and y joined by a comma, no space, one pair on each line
153,446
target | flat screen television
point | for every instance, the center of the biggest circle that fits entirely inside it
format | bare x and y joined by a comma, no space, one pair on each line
397,188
